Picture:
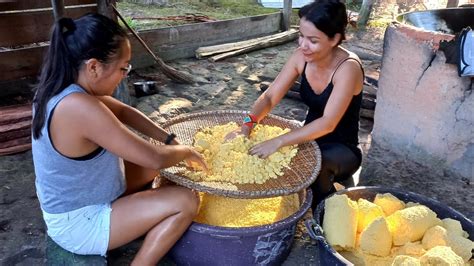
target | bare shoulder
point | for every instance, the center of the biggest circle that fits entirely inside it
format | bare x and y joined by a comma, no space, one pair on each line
297,60
82,106
351,65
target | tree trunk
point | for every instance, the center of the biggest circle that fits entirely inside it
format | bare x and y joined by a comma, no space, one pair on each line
364,13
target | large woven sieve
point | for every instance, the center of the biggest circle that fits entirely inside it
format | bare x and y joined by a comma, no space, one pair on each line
302,171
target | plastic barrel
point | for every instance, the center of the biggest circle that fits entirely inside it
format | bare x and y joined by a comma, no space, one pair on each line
326,255
269,244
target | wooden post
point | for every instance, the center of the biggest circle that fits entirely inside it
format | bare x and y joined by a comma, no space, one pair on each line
452,3
364,13
286,15
104,7
58,8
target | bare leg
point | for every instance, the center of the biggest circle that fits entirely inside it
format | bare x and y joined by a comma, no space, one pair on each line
137,177
164,213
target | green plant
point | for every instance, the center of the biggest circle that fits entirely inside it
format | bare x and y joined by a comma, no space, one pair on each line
130,22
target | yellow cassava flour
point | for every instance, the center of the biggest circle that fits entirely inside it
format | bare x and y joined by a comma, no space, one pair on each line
394,233
229,212
229,161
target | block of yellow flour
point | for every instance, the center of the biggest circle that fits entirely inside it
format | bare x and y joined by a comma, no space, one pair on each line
389,203
435,236
461,246
439,236
403,260
414,249
376,239
454,226
410,224
368,212
441,256
340,221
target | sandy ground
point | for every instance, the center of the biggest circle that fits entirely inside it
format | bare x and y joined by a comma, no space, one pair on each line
231,84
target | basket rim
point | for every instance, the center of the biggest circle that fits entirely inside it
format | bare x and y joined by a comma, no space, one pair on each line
186,182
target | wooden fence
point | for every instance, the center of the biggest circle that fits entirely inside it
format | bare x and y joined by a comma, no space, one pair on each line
24,33
25,28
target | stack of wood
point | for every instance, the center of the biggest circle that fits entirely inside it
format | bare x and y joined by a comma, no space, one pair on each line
369,95
15,129
221,51
188,17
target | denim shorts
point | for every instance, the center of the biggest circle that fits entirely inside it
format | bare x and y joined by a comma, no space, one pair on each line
84,231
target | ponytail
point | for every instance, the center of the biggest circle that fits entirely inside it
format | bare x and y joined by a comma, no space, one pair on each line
100,38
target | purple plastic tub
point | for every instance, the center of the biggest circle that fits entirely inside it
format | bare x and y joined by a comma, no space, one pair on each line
259,245
326,255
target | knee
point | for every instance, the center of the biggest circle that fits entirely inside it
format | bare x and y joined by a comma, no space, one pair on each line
187,201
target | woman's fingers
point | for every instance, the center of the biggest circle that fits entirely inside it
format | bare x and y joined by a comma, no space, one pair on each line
259,151
197,158
232,135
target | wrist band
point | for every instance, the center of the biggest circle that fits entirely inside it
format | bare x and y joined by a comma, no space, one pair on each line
250,120
170,138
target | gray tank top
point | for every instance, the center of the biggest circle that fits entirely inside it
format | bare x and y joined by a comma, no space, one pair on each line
64,184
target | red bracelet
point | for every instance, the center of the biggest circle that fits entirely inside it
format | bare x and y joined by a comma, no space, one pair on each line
250,120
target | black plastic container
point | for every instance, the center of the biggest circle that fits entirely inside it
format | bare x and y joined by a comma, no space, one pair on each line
145,88
326,255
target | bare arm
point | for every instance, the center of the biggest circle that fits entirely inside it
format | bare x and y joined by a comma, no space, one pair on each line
277,90
347,82
99,125
135,119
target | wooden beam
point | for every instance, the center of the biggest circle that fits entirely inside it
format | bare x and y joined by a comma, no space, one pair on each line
32,27
181,41
169,43
20,63
34,4
245,46
286,15
58,8
104,7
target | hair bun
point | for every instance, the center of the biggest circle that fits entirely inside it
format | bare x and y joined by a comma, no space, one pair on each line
67,25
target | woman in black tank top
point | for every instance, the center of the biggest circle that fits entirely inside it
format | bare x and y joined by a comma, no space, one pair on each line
331,86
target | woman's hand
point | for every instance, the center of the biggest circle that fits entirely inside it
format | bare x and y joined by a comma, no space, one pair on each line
195,160
243,131
266,148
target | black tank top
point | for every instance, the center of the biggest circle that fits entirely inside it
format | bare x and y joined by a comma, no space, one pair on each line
347,130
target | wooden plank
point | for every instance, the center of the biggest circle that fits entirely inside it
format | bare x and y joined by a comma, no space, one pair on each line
15,134
15,126
291,35
182,41
32,27
23,86
15,142
34,4
21,63
169,43
227,47
14,114
15,149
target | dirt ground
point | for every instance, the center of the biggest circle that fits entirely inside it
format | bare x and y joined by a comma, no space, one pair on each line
231,84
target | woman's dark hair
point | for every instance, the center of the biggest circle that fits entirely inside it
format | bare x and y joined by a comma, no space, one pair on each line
72,43
329,16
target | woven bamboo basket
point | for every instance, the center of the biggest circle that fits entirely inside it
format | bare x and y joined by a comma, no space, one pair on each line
302,171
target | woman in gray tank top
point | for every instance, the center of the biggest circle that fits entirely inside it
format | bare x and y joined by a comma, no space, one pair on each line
90,168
